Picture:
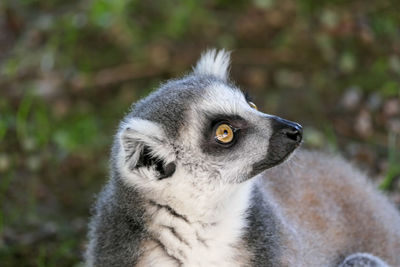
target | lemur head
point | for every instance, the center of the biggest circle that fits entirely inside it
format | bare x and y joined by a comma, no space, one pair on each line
200,129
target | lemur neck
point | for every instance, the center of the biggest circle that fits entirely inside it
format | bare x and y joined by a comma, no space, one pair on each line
208,203
196,227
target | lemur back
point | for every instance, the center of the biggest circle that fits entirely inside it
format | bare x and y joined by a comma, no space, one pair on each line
200,177
333,211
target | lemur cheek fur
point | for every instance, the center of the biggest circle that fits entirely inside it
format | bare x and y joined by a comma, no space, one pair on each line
200,177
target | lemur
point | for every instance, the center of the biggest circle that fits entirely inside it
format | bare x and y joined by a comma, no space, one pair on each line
200,177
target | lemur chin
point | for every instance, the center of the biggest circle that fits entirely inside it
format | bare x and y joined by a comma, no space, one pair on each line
200,177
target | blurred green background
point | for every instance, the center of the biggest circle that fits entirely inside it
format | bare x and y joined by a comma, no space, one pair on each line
69,70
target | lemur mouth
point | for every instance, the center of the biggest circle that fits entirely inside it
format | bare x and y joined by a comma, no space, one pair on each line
284,158
269,162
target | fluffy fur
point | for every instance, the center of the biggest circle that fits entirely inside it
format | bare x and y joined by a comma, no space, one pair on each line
177,197
215,63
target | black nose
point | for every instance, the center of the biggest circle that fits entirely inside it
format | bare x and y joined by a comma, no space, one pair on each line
291,130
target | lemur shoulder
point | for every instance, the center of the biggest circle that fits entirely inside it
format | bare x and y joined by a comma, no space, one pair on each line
200,177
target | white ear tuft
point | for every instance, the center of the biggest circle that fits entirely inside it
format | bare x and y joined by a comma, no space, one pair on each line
214,62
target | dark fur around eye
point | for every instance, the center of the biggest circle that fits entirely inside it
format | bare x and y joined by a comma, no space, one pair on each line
235,121
209,144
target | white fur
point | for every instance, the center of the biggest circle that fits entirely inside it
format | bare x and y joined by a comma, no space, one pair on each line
214,206
214,63
220,98
142,131
217,219
215,211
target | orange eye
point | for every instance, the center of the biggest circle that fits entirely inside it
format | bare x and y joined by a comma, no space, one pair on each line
252,105
224,134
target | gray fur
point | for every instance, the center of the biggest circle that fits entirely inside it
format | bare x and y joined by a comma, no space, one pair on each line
117,228
139,206
363,260
265,246
168,104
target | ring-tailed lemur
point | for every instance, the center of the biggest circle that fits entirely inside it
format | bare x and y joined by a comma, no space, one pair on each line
192,185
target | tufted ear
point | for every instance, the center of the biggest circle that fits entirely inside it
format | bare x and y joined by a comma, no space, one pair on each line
215,63
144,145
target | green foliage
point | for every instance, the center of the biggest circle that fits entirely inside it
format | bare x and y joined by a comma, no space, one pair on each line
394,164
77,133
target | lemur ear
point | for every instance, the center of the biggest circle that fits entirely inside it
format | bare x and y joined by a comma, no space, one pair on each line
215,63
143,145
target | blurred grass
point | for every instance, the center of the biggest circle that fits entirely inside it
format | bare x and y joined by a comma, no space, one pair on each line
393,169
69,70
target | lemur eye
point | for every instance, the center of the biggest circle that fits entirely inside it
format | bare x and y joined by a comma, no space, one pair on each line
250,101
252,105
224,134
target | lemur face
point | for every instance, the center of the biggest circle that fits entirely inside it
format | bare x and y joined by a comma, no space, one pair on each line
201,129
233,135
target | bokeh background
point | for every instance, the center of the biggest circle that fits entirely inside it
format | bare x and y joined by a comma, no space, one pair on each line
69,71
